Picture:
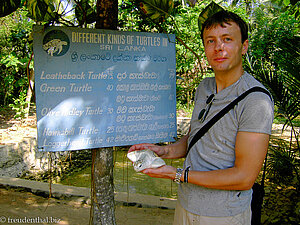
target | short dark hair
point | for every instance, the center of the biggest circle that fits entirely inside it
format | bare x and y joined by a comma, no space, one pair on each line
225,16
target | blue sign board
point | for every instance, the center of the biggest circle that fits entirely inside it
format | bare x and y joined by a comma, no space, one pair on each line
102,88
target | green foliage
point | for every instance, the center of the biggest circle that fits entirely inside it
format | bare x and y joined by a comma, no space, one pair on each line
41,10
283,162
184,108
85,12
155,10
20,106
274,59
15,52
279,6
129,19
189,66
11,61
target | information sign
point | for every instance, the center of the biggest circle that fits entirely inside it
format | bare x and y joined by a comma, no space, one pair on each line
102,88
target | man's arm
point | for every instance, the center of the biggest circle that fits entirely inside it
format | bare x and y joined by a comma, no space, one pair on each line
250,151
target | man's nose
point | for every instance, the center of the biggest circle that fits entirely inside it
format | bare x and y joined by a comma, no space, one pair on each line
219,46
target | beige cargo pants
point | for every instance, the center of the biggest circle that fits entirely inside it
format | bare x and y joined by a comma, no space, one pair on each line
183,217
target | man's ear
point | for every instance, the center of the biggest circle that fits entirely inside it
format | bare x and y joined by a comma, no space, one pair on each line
245,47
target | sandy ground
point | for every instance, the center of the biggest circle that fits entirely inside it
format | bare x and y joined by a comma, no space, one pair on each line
19,207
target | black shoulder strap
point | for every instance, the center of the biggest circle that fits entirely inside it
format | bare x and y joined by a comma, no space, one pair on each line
225,110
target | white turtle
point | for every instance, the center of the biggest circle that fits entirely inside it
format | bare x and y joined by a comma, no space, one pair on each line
145,159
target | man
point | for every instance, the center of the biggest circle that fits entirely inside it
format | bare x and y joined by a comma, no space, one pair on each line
224,163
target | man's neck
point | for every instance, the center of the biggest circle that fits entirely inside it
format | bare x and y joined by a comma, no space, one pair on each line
224,80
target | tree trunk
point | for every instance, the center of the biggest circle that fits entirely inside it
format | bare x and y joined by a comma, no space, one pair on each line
107,14
102,179
103,191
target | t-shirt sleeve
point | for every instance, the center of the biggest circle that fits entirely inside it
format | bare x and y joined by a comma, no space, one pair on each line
257,114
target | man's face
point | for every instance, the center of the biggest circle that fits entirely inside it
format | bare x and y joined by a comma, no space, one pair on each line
224,48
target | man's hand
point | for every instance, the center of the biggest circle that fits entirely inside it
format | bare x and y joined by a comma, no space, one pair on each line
159,150
167,172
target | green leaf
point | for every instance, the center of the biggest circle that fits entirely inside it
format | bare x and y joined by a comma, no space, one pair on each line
210,10
41,10
8,6
286,2
84,12
11,61
156,10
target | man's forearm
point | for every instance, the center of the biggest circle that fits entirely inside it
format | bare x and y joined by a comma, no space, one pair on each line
177,150
227,179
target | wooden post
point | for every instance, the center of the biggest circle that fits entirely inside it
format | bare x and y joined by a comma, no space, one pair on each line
102,179
103,188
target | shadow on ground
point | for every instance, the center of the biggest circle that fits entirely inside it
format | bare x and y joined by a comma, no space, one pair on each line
18,206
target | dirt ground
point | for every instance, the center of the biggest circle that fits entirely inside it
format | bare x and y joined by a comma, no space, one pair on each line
18,207
13,130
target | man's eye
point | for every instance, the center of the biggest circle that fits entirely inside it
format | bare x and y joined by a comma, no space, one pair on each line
227,39
210,41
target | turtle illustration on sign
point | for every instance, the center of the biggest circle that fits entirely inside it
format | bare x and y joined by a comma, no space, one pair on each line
56,43
54,46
